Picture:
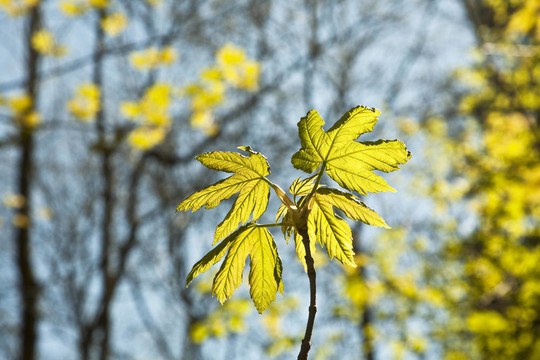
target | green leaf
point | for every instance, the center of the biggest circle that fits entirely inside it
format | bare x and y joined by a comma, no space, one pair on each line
282,212
248,181
301,187
265,270
331,231
351,206
265,274
348,162
213,256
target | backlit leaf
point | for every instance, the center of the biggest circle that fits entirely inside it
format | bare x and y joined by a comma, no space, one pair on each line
265,275
248,181
351,206
331,231
348,162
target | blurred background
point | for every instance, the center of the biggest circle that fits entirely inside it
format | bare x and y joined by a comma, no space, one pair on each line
105,103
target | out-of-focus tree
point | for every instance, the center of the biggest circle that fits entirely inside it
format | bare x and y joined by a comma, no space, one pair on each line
102,100
489,188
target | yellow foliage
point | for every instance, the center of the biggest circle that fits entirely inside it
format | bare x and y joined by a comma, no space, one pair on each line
527,17
487,322
236,69
130,109
86,102
230,318
508,137
152,110
15,201
232,69
45,213
72,8
114,23
20,104
417,344
17,7
152,57
43,41
21,107
146,137
30,120
230,55
79,7
20,220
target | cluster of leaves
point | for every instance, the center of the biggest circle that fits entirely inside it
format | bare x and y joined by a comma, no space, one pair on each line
152,111
86,102
17,7
334,152
495,170
22,108
232,69
152,57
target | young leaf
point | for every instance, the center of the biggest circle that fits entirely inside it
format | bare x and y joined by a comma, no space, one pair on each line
331,231
302,187
248,181
348,162
351,206
265,275
213,256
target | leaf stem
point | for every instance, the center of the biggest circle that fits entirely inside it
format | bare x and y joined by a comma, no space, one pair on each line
306,342
281,194
316,186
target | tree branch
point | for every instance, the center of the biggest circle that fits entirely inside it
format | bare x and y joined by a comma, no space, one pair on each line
306,342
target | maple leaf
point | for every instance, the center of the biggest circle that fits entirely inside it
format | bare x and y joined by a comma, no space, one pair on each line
348,162
248,181
265,265
352,206
333,232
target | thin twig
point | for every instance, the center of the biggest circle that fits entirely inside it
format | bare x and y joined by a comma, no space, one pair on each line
306,342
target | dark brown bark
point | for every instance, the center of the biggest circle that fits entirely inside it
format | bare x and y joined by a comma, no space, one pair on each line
96,332
103,323
28,284
306,342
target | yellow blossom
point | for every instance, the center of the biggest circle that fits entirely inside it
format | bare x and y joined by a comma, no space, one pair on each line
79,7
152,57
114,23
130,109
211,74
31,120
153,108
20,220
146,137
236,69
168,55
43,41
86,102
204,120
230,55
249,79
17,7
20,103
71,8
15,201
45,213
